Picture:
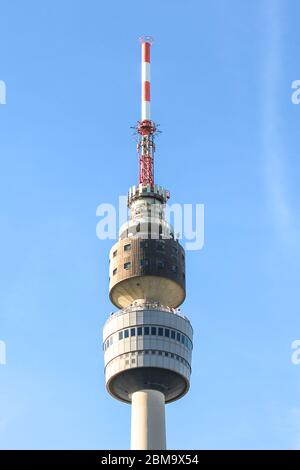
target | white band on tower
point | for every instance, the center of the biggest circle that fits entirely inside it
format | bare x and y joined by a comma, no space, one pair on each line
146,45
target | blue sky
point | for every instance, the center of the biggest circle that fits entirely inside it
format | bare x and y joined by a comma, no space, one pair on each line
221,91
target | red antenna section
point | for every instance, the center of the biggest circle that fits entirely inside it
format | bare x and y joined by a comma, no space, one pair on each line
145,127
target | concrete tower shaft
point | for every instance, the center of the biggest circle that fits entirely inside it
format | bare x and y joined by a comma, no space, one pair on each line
148,428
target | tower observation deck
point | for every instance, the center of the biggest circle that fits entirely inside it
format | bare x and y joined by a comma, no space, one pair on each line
147,343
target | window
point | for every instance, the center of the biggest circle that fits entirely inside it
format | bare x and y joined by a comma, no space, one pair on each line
160,353
127,265
146,352
132,332
107,344
172,355
178,336
115,271
111,340
167,333
126,333
160,331
115,253
146,330
172,334
182,339
120,335
153,330
140,331
127,247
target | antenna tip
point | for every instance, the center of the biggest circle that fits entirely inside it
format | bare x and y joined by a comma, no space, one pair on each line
148,39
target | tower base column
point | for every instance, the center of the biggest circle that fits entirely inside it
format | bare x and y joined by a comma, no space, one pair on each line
148,427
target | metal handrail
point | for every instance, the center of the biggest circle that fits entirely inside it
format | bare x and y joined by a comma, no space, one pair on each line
148,306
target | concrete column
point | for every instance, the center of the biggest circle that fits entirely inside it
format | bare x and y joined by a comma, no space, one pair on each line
148,427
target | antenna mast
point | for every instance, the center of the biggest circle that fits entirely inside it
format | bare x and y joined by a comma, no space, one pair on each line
145,127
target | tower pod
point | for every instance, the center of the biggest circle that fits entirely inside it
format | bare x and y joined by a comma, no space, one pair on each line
147,347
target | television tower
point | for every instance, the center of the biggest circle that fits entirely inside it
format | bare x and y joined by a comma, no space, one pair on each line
148,342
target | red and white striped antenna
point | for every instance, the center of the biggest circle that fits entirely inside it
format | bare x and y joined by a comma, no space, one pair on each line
146,42
145,127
